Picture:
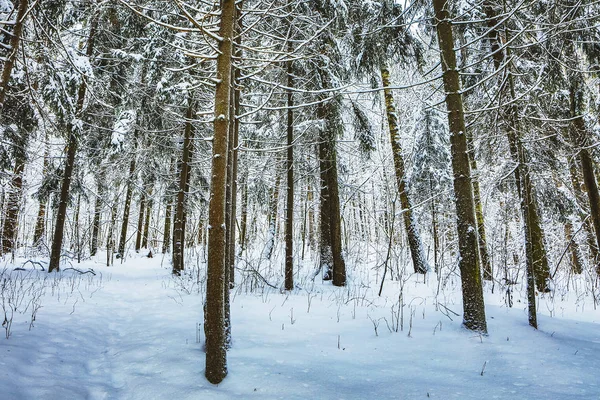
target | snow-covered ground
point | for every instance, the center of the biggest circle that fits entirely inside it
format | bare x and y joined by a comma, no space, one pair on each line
134,332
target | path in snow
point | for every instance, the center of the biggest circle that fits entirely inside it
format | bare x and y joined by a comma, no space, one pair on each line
136,339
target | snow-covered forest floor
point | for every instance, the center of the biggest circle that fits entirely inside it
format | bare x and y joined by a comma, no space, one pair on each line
133,331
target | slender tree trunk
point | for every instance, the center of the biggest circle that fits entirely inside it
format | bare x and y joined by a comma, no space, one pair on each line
179,218
147,222
484,257
70,161
339,266
473,305
272,216
410,225
140,224
128,197
11,218
244,213
535,250
289,212
40,222
97,215
110,241
167,229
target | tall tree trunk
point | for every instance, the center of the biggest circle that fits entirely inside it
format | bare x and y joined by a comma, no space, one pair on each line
536,255
289,212
11,218
582,201
167,229
140,224
128,197
244,213
410,225
97,215
110,240
473,305
70,161
576,262
334,266
15,40
214,314
179,218
147,222
40,222
272,216
325,245
581,142
484,257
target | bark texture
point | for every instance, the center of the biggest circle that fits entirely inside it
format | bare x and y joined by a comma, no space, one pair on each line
214,314
72,144
410,226
473,305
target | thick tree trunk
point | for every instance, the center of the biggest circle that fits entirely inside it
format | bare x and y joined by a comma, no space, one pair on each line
179,218
325,245
576,262
580,140
410,225
473,305
214,314
70,161
15,40
582,201
332,260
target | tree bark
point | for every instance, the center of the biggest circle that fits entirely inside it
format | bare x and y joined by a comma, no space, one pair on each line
325,245
140,224
128,197
332,260
473,305
167,229
580,140
412,231
11,218
179,218
15,40
289,212
536,256
147,221
97,215
70,161
214,314
244,213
